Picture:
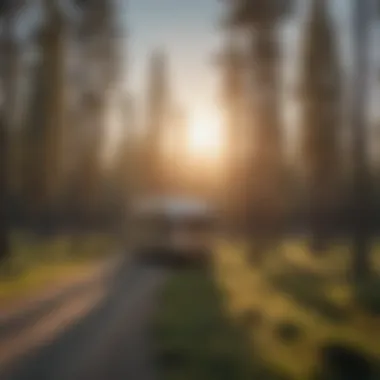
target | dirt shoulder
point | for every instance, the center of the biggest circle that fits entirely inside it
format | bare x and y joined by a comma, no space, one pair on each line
102,333
45,282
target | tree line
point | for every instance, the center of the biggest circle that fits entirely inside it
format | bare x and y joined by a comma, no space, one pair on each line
61,68
330,190
64,67
61,76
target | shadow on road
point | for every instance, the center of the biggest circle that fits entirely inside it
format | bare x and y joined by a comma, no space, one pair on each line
80,350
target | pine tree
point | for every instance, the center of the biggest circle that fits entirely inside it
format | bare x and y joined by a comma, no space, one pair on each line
176,154
234,100
261,20
126,154
97,33
9,11
157,116
321,108
362,180
44,135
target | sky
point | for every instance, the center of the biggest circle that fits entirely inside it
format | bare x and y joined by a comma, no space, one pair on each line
188,31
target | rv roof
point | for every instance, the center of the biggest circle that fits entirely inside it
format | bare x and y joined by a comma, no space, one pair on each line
173,207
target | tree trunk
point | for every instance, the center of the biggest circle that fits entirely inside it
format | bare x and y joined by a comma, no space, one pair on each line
361,244
4,233
320,240
9,54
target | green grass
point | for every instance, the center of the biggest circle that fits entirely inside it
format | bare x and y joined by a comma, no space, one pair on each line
310,296
269,322
367,295
195,340
36,263
308,288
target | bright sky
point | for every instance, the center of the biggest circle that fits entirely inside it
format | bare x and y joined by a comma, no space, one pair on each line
187,30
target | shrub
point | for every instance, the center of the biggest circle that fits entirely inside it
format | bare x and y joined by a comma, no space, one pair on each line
340,362
367,295
308,289
288,332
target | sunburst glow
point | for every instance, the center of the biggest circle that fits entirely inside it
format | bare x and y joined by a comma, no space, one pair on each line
205,135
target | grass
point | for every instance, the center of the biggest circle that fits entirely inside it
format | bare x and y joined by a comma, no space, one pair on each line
308,292
309,289
195,338
37,263
268,323
367,295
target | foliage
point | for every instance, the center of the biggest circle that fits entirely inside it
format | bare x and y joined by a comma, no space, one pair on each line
38,262
312,304
368,296
288,332
308,289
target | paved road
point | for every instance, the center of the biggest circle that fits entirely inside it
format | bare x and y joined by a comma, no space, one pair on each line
107,340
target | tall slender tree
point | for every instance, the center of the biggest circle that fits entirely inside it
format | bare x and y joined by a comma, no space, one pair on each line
234,100
157,116
321,110
177,181
97,33
126,154
44,137
9,11
362,182
261,19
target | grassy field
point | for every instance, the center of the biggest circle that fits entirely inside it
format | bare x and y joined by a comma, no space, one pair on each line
279,322
195,340
37,263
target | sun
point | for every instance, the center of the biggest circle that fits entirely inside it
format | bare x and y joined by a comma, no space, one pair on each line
205,135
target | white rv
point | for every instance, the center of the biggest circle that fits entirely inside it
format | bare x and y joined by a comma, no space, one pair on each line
174,230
